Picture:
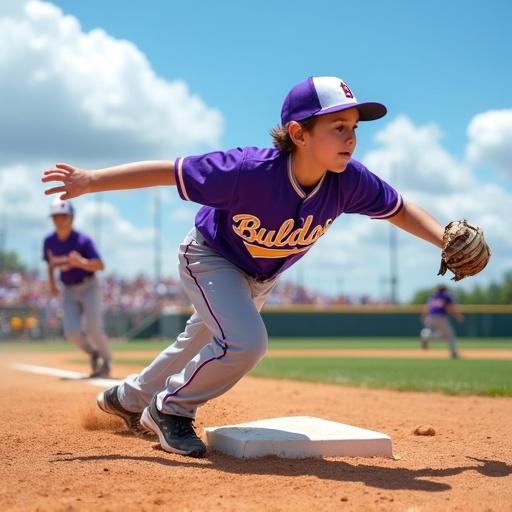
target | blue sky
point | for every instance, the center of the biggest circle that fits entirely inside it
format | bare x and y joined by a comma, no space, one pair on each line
435,61
190,77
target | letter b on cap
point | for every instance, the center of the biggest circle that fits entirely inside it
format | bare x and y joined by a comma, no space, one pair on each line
346,90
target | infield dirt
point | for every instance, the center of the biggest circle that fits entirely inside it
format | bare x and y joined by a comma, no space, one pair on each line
60,453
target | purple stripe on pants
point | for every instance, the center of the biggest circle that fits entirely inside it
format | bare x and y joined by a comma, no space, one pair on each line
175,392
224,344
202,293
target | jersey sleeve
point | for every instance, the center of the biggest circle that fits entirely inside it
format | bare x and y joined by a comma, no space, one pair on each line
210,179
373,197
45,250
89,251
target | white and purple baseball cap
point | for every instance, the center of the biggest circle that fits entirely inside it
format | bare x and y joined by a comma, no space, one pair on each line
60,207
319,95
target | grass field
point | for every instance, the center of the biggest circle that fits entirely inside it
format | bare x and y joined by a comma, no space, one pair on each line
475,377
457,377
278,343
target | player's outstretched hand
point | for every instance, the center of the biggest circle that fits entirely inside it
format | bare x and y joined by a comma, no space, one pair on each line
74,181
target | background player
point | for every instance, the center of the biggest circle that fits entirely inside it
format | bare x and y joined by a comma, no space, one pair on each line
263,210
77,259
438,308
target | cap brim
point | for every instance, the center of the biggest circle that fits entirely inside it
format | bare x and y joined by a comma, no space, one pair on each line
368,111
60,213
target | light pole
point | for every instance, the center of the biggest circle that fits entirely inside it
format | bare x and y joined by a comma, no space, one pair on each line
157,224
393,254
3,241
98,218
393,264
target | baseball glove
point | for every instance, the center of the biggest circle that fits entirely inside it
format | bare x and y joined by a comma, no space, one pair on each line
465,251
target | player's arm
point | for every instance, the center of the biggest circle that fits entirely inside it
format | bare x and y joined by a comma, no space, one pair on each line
418,222
90,265
51,281
75,181
452,311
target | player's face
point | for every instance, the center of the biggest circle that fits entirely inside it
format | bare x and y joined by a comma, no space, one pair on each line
62,222
332,139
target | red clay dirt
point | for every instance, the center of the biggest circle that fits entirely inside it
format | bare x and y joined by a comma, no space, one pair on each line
59,453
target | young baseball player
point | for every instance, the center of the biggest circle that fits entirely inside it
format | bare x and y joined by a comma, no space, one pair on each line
263,210
435,317
76,257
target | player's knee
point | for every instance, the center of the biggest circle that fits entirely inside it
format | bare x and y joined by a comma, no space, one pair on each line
96,332
255,346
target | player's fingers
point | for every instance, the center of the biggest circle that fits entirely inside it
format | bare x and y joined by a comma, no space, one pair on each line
67,196
54,176
54,169
54,190
65,167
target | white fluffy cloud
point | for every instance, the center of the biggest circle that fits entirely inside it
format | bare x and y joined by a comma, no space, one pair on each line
20,202
490,140
86,95
91,99
413,158
124,247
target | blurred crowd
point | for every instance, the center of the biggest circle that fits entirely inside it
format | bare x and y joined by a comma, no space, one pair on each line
28,311
143,294
290,293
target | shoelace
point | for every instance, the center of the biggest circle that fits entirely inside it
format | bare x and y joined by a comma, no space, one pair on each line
184,426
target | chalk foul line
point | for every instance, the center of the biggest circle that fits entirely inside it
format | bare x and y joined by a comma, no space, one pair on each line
65,374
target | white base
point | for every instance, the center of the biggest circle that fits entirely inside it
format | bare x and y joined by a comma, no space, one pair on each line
298,437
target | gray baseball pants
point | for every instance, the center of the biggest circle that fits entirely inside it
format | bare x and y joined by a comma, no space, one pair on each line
223,339
83,317
441,325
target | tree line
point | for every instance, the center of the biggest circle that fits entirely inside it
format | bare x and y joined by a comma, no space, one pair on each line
494,293
10,262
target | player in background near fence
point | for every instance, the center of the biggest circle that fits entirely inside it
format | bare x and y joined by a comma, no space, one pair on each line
263,209
436,322
77,259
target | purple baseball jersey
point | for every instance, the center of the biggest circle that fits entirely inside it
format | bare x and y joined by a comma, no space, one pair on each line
438,302
258,217
56,251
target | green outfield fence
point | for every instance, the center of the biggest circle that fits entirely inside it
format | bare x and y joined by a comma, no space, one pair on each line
291,321
352,321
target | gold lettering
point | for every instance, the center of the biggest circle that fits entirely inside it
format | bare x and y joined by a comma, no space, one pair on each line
249,228
247,223
260,234
283,232
294,237
269,239
304,229
315,234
